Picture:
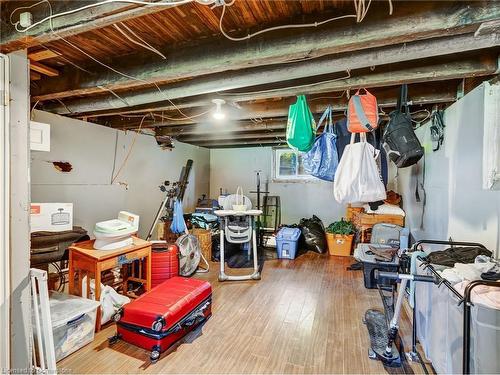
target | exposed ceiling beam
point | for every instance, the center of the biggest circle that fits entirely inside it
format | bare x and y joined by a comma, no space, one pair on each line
229,128
44,69
370,81
274,128
43,54
278,109
243,143
233,136
34,76
268,75
70,24
226,56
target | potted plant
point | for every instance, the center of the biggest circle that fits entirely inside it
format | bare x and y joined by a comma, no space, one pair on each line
339,236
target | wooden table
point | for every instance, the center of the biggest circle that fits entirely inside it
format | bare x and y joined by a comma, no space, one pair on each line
84,260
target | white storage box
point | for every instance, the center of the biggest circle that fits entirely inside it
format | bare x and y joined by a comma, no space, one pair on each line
440,331
73,322
51,217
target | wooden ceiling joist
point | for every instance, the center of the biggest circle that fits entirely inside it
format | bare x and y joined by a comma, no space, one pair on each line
454,70
242,143
223,57
43,69
234,136
245,79
227,128
440,72
70,24
43,54
235,133
34,76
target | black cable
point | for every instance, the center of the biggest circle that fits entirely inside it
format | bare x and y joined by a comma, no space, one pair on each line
437,128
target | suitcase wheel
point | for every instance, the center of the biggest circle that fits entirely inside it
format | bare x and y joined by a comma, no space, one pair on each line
158,324
113,339
117,315
155,354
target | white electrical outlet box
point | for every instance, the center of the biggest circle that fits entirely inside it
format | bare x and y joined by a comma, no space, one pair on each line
39,136
25,19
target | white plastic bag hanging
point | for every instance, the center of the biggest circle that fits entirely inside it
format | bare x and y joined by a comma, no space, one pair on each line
357,178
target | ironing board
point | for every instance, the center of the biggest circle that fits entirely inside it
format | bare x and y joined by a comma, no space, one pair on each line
225,216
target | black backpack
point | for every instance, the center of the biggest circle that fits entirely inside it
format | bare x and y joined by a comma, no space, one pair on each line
400,142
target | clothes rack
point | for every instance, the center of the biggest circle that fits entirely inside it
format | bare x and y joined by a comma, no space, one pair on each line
466,299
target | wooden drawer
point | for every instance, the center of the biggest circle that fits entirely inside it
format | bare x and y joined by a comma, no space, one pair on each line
124,259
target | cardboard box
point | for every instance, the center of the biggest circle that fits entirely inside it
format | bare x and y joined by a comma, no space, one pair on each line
51,217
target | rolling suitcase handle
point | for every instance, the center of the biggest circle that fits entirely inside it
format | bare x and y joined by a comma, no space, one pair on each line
194,318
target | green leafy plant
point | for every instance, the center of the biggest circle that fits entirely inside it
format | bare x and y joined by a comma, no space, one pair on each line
342,227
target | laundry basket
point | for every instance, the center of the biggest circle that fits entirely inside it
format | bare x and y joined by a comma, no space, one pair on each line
205,239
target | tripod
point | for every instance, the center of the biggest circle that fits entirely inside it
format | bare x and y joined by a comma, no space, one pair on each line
176,191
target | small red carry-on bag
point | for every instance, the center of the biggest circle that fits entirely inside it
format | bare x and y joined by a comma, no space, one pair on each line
164,262
362,112
165,314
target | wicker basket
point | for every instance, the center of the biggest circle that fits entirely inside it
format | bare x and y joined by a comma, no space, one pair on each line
205,238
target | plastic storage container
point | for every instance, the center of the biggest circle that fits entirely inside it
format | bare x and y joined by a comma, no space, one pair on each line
339,244
287,242
440,330
73,322
370,264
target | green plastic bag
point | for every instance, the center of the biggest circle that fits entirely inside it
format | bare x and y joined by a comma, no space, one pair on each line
301,128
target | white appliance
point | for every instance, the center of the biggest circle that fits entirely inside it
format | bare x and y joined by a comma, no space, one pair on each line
116,233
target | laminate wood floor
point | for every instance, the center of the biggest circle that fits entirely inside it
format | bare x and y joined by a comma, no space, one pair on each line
304,316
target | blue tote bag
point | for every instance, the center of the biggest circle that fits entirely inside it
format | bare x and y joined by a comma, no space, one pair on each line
322,160
178,225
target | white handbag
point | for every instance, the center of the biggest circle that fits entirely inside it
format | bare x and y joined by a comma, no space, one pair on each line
357,178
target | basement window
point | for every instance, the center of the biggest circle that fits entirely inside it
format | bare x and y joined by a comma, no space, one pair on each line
288,166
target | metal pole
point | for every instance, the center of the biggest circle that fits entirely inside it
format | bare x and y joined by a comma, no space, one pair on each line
467,316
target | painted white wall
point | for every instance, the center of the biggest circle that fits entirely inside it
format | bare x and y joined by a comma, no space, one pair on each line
456,205
19,257
90,149
230,168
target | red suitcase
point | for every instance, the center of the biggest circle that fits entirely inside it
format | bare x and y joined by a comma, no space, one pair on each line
160,317
164,262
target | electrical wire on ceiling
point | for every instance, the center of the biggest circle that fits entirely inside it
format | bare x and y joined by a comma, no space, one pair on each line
361,11
286,88
93,5
100,62
141,41
328,97
165,117
282,27
64,105
114,94
60,55
419,111
360,6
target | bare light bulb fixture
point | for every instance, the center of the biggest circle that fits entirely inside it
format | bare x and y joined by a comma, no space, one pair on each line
218,114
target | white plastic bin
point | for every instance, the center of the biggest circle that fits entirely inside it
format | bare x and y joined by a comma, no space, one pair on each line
73,322
440,331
